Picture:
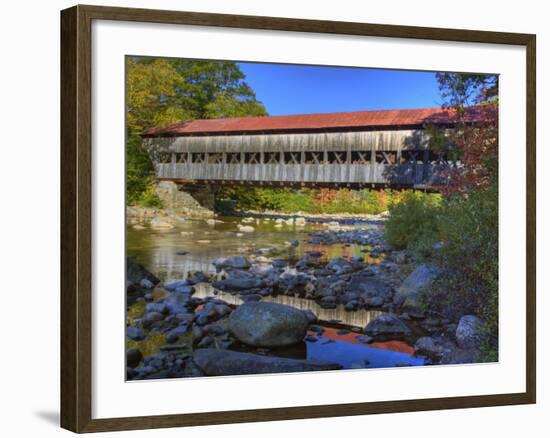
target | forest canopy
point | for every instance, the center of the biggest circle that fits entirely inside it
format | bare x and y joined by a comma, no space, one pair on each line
162,91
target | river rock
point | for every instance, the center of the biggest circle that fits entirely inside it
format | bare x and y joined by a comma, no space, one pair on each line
310,316
352,305
387,325
470,332
328,302
215,362
419,282
339,265
372,291
146,283
136,273
198,277
156,307
205,342
186,290
263,324
177,303
135,334
238,284
158,223
150,318
429,345
174,285
175,334
133,357
245,228
262,270
235,262
460,356
262,259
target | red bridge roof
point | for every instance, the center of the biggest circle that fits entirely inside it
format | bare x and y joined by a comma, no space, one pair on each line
405,118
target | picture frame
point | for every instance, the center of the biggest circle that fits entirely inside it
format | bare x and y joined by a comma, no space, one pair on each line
76,217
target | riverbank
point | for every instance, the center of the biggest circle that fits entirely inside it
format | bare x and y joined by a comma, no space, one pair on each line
341,218
161,218
362,306
178,206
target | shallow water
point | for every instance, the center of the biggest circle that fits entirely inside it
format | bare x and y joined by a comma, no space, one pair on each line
156,250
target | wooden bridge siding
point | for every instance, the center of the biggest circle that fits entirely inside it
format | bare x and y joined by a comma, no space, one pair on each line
389,140
407,174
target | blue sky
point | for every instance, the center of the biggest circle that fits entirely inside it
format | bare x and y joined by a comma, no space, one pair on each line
297,89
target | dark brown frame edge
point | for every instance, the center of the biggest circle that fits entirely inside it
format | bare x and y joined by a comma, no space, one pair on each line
76,190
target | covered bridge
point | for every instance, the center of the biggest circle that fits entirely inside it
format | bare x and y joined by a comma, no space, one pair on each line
364,148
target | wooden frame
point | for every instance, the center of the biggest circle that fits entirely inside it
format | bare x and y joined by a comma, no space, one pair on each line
76,173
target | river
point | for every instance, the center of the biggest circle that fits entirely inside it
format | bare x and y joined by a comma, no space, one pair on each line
204,241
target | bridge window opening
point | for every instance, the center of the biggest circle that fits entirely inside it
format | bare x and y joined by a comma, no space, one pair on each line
360,157
234,158
314,158
198,157
292,157
216,158
252,158
182,157
271,157
386,157
337,157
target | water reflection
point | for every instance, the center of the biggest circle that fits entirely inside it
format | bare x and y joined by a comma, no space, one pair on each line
350,355
156,249
356,319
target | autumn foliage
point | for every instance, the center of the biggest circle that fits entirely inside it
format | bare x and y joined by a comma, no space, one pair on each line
477,147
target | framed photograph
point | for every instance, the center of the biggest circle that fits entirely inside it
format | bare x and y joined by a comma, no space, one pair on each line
269,218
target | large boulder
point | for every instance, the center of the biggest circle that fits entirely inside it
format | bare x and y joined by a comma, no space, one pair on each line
470,332
387,325
263,324
136,273
214,362
408,296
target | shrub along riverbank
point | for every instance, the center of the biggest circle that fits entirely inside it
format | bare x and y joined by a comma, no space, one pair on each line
459,233
312,201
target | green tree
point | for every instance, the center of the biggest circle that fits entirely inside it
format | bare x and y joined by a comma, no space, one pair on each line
468,220
151,89
459,90
210,87
162,91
